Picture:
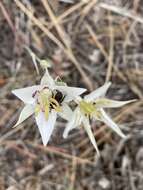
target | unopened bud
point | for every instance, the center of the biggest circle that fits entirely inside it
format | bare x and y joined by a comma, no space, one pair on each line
45,64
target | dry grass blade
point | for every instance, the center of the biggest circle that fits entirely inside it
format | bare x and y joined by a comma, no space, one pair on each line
86,10
95,39
127,41
53,150
8,134
66,42
136,5
89,6
38,23
111,49
105,54
73,174
7,17
57,42
66,13
64,155
122,11
54,20
71,10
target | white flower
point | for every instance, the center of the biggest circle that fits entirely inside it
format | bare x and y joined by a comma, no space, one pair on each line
46,101
91,107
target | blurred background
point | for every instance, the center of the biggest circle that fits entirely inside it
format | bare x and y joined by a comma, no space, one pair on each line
88,42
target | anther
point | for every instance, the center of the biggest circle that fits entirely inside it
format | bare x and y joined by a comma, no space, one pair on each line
34,94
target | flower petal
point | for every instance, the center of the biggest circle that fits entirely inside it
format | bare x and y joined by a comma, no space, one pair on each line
48,80
87,127
107,103
70,92
75,121
110,123
98,92
25,94
26,112
66,112
46,127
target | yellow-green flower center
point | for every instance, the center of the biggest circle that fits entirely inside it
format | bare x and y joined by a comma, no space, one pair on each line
45,102
89,109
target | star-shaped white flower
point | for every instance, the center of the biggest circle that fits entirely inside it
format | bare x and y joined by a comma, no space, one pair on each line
92,107
46,101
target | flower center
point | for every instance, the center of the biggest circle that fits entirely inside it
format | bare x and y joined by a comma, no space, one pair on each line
89,109
47,100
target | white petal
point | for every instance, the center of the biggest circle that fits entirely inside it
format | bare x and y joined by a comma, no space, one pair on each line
98,92
46,127
90,134
107,103
66,112
48,80
75,121
26,112
70,92
25,94
110,123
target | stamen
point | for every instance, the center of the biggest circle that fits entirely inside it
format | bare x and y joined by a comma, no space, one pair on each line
47,100
46,112
89,109
37,109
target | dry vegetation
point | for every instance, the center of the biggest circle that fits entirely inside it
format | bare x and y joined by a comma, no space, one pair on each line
88,42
